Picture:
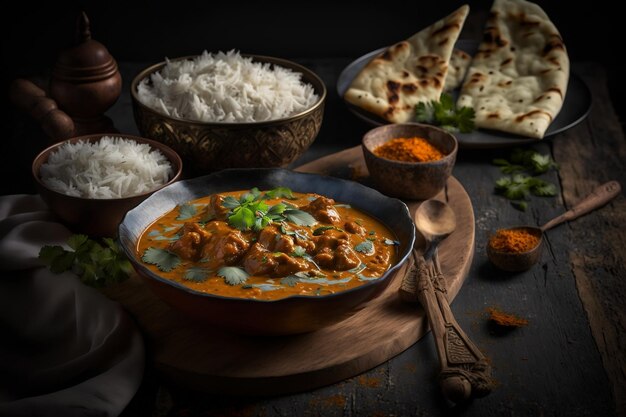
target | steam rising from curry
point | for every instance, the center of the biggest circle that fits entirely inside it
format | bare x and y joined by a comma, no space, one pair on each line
268,245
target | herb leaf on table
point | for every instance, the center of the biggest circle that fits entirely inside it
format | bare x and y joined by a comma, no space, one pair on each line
523,168
96,263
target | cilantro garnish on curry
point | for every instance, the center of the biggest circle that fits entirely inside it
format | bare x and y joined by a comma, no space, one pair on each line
268,245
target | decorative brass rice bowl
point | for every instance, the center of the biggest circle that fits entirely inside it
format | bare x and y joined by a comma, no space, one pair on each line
293,314
98,217
208,147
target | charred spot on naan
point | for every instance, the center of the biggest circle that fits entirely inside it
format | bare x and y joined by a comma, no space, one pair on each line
392,92
533,114
493,37
555,42
547,95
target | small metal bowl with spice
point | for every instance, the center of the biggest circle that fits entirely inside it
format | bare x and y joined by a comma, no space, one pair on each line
410,160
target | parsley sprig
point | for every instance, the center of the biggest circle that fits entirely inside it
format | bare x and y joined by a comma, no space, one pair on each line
96,263
445,114
523,167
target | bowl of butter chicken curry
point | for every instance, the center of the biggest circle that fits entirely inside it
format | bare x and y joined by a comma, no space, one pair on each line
267,251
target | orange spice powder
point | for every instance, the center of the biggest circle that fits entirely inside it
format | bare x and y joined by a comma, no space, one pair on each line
513,241
505,319
414,149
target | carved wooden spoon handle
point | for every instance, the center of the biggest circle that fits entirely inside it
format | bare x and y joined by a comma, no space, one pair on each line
464,369
464,361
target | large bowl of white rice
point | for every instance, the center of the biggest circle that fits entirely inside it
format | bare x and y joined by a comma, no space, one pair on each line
228,110
90,182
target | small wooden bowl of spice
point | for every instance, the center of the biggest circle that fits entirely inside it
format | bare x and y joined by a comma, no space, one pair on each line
411,161
516,249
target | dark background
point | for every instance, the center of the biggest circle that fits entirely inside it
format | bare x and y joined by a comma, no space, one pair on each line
145,32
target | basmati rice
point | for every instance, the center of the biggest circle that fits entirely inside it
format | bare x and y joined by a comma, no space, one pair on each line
226,87
113,167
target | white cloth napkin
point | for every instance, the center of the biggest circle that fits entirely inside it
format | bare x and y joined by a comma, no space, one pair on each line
65,349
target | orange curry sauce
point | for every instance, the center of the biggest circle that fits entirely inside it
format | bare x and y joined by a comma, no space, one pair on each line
342,248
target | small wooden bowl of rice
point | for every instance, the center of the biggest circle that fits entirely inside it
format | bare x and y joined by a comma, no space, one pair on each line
91,182
227,110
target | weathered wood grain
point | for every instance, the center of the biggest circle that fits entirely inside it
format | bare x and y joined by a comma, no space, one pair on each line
589,156
553,366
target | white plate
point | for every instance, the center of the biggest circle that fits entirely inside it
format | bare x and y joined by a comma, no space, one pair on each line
575,107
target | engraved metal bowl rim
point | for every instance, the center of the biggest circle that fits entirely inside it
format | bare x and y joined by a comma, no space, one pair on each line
320,89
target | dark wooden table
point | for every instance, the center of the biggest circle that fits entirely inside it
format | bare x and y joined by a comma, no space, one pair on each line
569,360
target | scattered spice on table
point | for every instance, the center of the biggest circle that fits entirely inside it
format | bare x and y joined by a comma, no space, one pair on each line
505,319
370,382
414,149
513,240
337,401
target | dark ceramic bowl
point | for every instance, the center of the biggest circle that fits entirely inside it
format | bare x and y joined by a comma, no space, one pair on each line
96,217
410,180
297,313
209,147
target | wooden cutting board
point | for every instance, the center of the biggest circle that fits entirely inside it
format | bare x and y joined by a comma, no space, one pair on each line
204,358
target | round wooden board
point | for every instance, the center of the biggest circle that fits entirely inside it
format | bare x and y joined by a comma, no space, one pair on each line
204,358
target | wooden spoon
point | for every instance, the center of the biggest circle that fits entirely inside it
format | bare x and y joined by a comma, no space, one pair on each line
521,261
465,371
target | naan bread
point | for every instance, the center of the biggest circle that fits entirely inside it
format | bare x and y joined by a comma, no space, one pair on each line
408,72
459,63
518,79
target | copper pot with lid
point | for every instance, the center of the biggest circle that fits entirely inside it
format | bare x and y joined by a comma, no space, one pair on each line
86,81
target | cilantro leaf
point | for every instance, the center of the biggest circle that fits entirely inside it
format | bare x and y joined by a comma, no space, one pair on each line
186,211
280,192
196,274
541,163
76,241
63,262
252,195
233,275
276,209
320,230
242,218
298,252
542,188
230,202
290,280
366,247
163,259
465,119
299,217
94,264
444,113
48,254
425,113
